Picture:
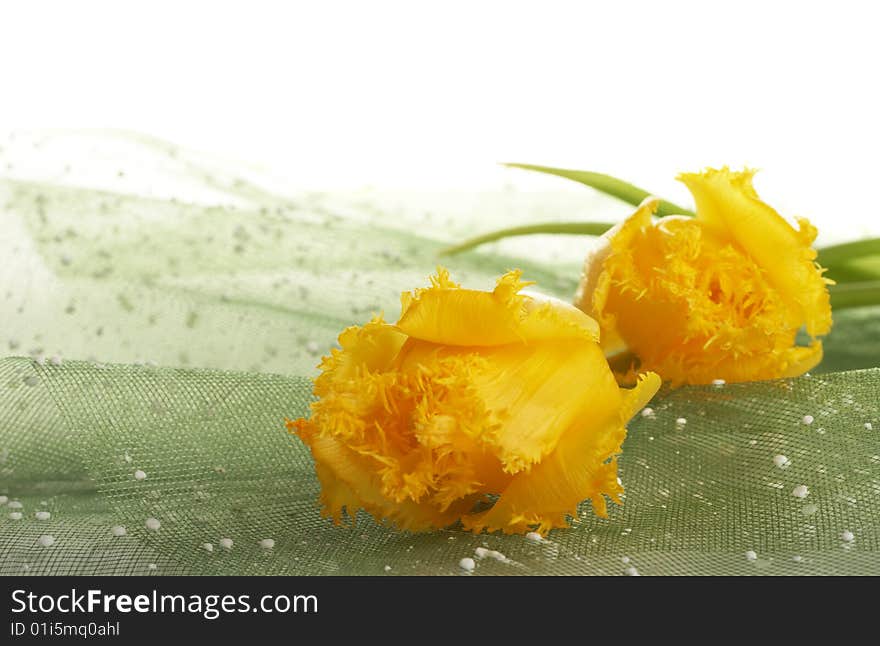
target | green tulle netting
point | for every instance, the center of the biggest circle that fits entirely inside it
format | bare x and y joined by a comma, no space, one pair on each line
188,306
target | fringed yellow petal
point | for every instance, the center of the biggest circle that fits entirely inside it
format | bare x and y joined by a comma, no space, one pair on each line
539,392
582,466
532,393
802,359
727,202
791,361
595,286
349,482
447,314
546,318
370,347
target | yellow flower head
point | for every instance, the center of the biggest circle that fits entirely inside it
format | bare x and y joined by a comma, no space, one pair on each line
497,409
719,296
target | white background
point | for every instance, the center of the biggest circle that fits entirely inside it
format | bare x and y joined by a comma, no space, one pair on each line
415,94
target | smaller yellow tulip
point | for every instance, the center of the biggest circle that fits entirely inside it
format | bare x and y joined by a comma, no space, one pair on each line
719,296
496,409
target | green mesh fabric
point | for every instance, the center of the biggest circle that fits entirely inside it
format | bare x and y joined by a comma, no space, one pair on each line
189,306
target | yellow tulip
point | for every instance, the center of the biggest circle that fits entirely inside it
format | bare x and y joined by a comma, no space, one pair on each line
496,409
719,296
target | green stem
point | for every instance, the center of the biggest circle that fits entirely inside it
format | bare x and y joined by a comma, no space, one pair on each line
625,191
855,294
576,228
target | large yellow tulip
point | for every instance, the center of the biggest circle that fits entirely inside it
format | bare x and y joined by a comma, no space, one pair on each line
496,409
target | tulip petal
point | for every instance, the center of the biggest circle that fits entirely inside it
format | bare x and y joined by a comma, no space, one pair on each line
582,466
539,392
787,362
635,399
447,314
412,427
596,283
801,359
371,347
727,202
349,482
535,392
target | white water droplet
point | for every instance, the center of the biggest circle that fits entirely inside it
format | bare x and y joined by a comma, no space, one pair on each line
681,421
534,537
647,412
225,543
751,556
847,536
15,505
15,515
467,564
140,475
208,547
801,491
46,540
4,500
153,524
781,461
267,543
869,426
42,515
118,530
481,552
808,419
387,568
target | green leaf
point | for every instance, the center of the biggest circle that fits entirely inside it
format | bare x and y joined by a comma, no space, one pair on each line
576,228
855,294
848,251
855,261
854,272
610,186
